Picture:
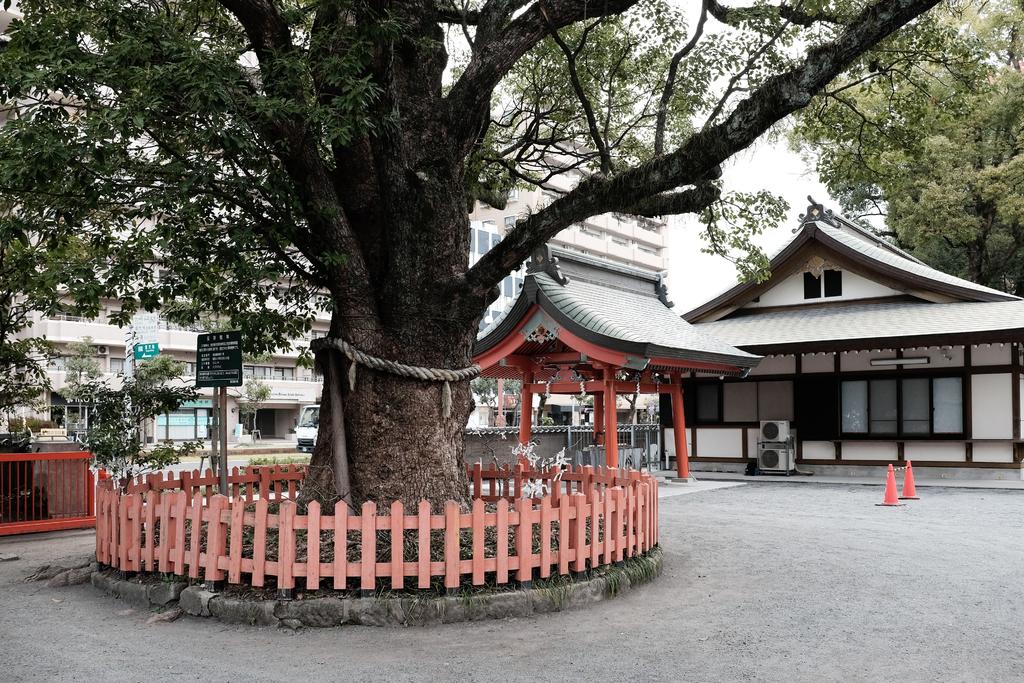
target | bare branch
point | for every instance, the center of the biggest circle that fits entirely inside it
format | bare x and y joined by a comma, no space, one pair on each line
498,50
670,80
581,95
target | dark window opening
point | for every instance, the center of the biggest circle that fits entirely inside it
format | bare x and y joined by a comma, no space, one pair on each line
812,286
833,283
709,403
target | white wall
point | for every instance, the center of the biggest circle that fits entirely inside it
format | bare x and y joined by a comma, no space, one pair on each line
992,452
819,450
817,362
670,442
775,365
942,357
991,406
869,450
934,450
719,443
854,361
990,354
790,291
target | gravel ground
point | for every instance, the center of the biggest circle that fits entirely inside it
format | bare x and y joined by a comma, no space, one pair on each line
761,582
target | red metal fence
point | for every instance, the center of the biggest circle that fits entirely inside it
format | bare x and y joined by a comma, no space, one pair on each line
592,517
46,492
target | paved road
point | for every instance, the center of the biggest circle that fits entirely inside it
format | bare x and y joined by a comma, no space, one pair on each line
761,582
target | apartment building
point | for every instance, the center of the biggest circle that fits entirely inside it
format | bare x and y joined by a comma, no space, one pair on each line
291,385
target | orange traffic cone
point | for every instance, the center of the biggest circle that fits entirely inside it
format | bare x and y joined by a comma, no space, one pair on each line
909,492
891,498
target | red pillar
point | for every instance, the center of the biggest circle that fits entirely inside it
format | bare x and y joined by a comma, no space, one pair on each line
679,429
611,420
598,417
525,410
499,419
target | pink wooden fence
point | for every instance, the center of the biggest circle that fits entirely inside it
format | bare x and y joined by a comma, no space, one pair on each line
592,517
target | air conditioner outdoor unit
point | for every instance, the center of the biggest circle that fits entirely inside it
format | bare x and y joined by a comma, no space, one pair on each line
774,430
775,457
102,350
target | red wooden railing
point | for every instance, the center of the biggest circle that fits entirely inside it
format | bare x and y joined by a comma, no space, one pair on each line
45,492
592,517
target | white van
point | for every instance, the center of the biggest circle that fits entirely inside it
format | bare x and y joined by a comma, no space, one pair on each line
305,431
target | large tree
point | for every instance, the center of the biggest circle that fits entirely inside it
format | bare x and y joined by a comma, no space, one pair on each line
338,144
933,143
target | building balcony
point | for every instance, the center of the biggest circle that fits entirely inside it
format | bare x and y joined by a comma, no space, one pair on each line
621,251
649,237
648,260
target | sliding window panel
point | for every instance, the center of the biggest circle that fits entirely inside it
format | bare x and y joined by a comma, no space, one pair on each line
855,407
884,409
948,400
916,406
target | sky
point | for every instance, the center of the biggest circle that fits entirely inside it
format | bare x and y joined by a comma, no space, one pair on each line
695,277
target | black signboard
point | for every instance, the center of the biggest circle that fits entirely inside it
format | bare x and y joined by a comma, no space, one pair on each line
219,359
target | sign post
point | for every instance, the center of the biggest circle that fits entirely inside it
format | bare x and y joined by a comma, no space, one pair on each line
219,366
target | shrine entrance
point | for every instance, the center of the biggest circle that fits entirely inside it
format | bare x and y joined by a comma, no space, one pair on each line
591,328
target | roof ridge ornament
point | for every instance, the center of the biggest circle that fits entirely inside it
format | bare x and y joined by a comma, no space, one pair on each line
541,261
661,288
816,211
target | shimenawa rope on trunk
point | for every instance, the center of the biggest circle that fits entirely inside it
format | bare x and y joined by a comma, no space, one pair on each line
357,357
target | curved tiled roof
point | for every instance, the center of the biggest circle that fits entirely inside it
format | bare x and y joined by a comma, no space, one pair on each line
871,321
905,263
617,308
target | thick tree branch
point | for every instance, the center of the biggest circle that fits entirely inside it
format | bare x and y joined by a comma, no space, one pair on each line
733,16
705,150
293,138
675,203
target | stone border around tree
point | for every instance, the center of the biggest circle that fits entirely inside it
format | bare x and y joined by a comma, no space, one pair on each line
563,594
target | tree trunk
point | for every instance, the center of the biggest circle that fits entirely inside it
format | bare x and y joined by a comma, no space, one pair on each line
399,442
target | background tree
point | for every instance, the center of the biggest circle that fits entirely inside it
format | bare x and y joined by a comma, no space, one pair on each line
254,394
335,146
33,267
931,142
119,414
81,368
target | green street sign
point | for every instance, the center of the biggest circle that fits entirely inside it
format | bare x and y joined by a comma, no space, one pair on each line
219,359
144,351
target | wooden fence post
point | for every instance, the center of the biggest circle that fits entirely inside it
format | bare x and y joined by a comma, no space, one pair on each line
180,507
368,541
397,546
423,545
215,538
163,512
235,552
286,550
313,546
259,543
524,541
451,546
501,554
340,545
545,536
